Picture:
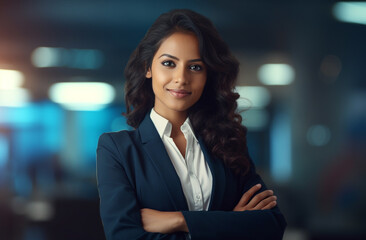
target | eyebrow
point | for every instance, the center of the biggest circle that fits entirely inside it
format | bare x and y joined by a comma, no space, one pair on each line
171,56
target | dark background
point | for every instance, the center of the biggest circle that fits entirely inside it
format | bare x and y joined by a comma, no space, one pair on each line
308,141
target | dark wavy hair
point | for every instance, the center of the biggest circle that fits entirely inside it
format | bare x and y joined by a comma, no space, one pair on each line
213,116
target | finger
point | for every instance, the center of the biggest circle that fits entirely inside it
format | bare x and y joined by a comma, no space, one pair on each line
248,195
259,197
265,202
270,205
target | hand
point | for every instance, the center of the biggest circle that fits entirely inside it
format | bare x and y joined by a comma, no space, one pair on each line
162,222
261,201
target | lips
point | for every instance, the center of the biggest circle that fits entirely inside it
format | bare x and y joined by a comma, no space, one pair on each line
179,93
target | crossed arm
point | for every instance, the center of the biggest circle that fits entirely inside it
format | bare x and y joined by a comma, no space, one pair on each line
169,222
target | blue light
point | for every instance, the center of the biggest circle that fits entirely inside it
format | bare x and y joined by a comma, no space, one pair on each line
119,123
41,121
22,184
280,148
351,12
19,117
81,132
43,57
52,126
4,151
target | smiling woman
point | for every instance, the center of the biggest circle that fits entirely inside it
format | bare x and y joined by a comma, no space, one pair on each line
178,75
185,171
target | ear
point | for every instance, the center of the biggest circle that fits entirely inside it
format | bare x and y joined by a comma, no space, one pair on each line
148,73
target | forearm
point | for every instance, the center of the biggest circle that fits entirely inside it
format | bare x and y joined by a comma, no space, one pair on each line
257,224
163,222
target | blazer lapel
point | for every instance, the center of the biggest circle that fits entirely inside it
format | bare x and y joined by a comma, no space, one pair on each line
218,177
155,148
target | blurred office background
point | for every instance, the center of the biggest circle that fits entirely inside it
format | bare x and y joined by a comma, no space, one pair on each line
303,69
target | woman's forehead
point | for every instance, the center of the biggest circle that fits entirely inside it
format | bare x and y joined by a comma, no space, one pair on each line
181,45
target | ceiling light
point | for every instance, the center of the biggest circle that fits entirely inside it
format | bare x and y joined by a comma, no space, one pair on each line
276,74
351,12
82,95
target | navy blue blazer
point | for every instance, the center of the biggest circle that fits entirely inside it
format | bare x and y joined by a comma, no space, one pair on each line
134,171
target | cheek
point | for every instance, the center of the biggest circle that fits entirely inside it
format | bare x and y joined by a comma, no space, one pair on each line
157,87
157,81
160,78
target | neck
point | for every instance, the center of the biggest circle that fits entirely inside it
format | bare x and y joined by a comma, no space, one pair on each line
176,118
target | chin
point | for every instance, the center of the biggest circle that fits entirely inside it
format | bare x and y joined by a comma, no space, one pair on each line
180,108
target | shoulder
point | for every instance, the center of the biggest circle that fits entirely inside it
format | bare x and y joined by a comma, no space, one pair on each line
124,137
117,146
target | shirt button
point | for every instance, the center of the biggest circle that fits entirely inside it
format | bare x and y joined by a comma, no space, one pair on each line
198,197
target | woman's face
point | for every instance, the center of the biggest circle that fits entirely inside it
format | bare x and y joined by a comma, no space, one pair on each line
178,74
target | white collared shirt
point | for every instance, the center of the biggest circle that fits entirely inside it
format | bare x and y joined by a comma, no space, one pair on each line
193,171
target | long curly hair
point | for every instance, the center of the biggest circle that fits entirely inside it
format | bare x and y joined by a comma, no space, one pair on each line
214,116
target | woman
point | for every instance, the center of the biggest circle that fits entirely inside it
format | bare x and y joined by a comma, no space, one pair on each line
184,172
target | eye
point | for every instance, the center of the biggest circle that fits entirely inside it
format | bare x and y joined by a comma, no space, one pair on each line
168,63
195,67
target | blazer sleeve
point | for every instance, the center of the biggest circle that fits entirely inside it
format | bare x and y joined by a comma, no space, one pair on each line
119,208
255,224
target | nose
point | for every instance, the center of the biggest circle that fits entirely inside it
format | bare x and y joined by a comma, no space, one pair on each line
180,76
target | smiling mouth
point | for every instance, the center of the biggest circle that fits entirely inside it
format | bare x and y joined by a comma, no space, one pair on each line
179,93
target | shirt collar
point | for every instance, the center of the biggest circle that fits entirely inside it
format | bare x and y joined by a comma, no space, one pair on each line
164,127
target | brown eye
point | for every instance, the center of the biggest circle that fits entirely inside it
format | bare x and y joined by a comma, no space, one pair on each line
195,67
168,63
